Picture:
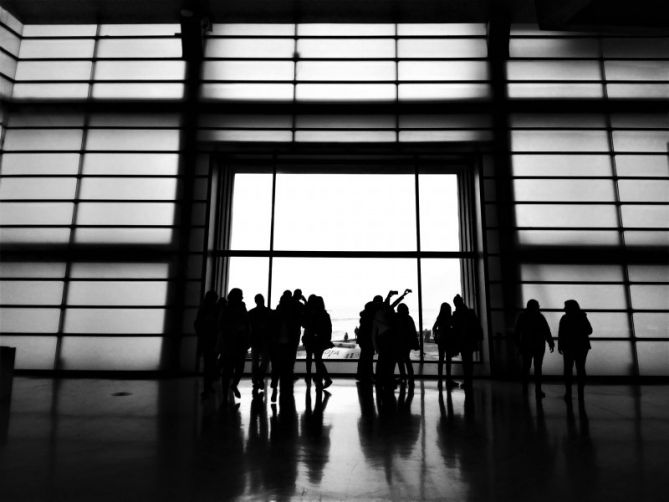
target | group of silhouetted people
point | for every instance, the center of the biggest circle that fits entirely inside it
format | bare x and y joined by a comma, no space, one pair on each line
226,331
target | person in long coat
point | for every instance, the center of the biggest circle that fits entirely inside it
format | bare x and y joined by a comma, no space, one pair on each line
447,344
574,344
233,341
206,329
533,334
406,341
468,334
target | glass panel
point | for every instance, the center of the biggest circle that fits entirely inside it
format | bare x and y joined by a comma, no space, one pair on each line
37,188
336,70
114,354
651,325
649,273
249,70
135,120
59,30
50,91
9,41
53,70
579,273
31,292
559,141
345,29
345,136
448,136
564,190
139,70
123,236
117,293
647,238
56,49
568,238
653,297
121,321
32,352
555,47
641,141
340,212
643,48
589,296
541,90
29,320
642,165
609,358
640,120
575,215
269,48
251,211
646,216
231,29
133,139
125,213
131,163
139,29
644,190
441,29
128,189
138,91
653,358
439,212
426,92
251,276
119,270
35,235
346,285
607,324
42,139
561,165
441,281
40,163
637,70
243,136
139,48
346,48
248,92
345,122
422,48
637,90
345,92
247,121
443,70
32,213
31,269
544,121
444,121
553,70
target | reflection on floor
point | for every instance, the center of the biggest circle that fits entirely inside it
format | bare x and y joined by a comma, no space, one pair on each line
156,440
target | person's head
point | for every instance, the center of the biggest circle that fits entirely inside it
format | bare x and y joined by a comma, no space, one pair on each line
458,301
402,309
571,307
285,297
260,300
312,301
533,305
235,295
210,297
297,294
378,299
445,309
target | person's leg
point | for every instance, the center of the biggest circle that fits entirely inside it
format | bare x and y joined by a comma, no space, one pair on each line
255,365
568,363
580,375
468,368
538,362
323,375
440,368
449,366
310,355
527,362
409,366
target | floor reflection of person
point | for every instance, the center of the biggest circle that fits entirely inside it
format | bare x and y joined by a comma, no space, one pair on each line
315,435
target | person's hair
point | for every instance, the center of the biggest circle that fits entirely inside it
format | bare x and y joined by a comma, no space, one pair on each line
532,305
445,309
210,296
571,306
402,309
259,299
235,295
378,299
457,299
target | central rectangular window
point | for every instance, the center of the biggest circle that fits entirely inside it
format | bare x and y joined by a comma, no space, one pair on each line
346,233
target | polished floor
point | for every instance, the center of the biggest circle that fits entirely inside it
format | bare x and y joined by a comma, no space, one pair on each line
146,440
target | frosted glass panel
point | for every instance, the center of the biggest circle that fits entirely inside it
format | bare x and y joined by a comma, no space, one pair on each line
125,213
651,324
248,92
649,273
561,165
131,163
139,48
37,188
40,163
646,216
138,91
445,48
605,324
56,49
568,237
637,70
139,29
448,136
32,352
249,70
16,320
641,141
443,70
439,212
244,136
579,273
121,321
117,293
43,139
31,269
346,48
548,90
139,70
426,92
644,190
53,70
345,122
31,292
553,296
251,276
251,211
564,190
128,189
341,214
337,70
643,48
638,90
565,141
441,29
553,70
133,139
647,238
609,358
642,165
115,354
123,236
649,297
59,30
33,213
346,92
566,120
119,270
246,121
345,29
232,29
50,91
444,121
653,358
34,235
270,48
557,47
346,136
575,215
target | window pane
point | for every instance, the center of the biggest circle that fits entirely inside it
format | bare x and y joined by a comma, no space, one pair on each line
248,70
59,30
139,70
651,324
441,29
649,273
117,293
345,92
133,139
346,136
642,165
31,269
647,238
637,70
443,70
579,273
548,90
566,141
641,141
650,296
568,237
248,92
35,235
335,70
653,358
53,70
646,216
114,354
121,321
446,136
251,276
340,212
251,211
232,29
439,212
119,270
556,47
575,215
561,165
123,236
563,190
43,139
445,48
441,282
607,324
131,163
644,190
50,91
643,48
33,213
29,320
609,358
31,292
139,48
424,92
37,188
125,213
346,48
638,90
131,188
56,49
553,296
269,48
139,29
553,70
345,29
32,352
40,163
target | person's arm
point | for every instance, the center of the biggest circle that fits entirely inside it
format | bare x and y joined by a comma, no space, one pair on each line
561,336
401,297
547,334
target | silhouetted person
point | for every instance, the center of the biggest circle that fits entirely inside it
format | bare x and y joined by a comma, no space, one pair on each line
260,318
383,334
469,334
233,341
287,337
447,343
206,329
407,340
533,334
317,338
365,373
574,344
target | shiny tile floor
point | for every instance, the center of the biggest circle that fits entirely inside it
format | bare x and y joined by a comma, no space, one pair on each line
90,440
